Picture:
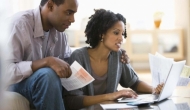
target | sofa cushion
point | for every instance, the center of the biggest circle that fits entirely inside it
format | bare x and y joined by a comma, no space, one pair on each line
15,101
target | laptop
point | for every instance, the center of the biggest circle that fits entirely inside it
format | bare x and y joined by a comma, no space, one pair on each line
167,90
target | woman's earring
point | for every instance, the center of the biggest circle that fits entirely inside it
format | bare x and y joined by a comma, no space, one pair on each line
102,40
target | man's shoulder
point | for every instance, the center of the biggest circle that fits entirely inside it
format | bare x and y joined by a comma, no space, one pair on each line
22,17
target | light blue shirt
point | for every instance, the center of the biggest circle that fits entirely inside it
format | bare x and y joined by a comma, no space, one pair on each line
27,41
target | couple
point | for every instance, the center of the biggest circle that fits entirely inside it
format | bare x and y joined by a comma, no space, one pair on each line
37,39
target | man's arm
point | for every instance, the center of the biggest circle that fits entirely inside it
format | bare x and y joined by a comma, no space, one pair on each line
19,68
59,66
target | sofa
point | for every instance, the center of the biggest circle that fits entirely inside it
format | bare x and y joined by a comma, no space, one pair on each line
14,101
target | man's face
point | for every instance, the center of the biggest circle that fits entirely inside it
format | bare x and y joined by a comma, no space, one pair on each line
62,16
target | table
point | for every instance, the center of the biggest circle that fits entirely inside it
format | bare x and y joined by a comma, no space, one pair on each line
178,101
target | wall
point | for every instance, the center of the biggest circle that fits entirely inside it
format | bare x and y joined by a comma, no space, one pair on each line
182,19
188,38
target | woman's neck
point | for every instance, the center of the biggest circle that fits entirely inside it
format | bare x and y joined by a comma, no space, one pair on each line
99,54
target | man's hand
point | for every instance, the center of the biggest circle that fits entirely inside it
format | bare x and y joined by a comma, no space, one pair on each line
124,57
61,67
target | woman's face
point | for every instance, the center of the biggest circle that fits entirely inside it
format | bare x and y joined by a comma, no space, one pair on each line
114,36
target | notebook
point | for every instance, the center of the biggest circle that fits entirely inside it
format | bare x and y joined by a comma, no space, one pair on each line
168,88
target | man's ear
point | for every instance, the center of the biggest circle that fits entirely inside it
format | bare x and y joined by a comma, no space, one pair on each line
50,5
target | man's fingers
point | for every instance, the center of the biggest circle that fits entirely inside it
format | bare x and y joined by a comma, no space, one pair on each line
60,74
69,71
124,57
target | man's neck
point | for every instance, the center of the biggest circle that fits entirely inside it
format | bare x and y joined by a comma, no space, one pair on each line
45,23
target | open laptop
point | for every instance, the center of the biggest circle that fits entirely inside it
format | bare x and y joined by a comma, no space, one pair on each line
168,88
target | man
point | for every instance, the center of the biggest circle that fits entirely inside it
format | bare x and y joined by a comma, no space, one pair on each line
40,51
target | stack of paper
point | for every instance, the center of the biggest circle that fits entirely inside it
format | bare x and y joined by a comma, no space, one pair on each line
79,78
160,67
117,106
184,77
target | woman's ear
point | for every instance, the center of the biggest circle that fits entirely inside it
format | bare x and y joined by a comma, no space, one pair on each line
102,36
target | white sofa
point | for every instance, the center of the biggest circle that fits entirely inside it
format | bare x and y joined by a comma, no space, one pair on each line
14,101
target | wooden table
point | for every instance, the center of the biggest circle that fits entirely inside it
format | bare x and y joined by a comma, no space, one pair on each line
180,97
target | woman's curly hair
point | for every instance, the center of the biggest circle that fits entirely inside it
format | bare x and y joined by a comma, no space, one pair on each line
99,23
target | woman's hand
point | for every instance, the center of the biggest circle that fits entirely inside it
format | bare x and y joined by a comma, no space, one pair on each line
122,93
158,89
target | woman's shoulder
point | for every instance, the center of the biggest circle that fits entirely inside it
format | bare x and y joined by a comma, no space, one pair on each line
118,53
79,50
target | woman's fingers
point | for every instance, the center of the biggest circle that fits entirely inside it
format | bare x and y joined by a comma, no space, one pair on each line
130,93
134,93
159,88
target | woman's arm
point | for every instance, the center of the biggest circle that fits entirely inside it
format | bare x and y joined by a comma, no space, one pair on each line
80,100
91,100
143,87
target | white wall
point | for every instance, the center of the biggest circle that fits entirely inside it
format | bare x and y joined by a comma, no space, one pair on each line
188,39
137,12
182,19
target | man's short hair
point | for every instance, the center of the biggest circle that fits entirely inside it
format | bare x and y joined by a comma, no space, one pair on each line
57,2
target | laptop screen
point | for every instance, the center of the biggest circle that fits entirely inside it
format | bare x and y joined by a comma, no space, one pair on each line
0,84
172,79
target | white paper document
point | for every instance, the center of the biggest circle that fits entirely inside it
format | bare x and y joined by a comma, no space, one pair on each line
79,78
183,81
185,72
116,106
184,77
160,67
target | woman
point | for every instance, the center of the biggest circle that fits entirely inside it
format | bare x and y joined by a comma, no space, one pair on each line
105,32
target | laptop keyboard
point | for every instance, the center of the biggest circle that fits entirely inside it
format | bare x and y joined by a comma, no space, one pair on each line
150,98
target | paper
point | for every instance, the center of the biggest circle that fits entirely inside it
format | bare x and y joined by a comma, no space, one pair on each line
184,77
159,67
116,106
79,78
185,72
183,81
